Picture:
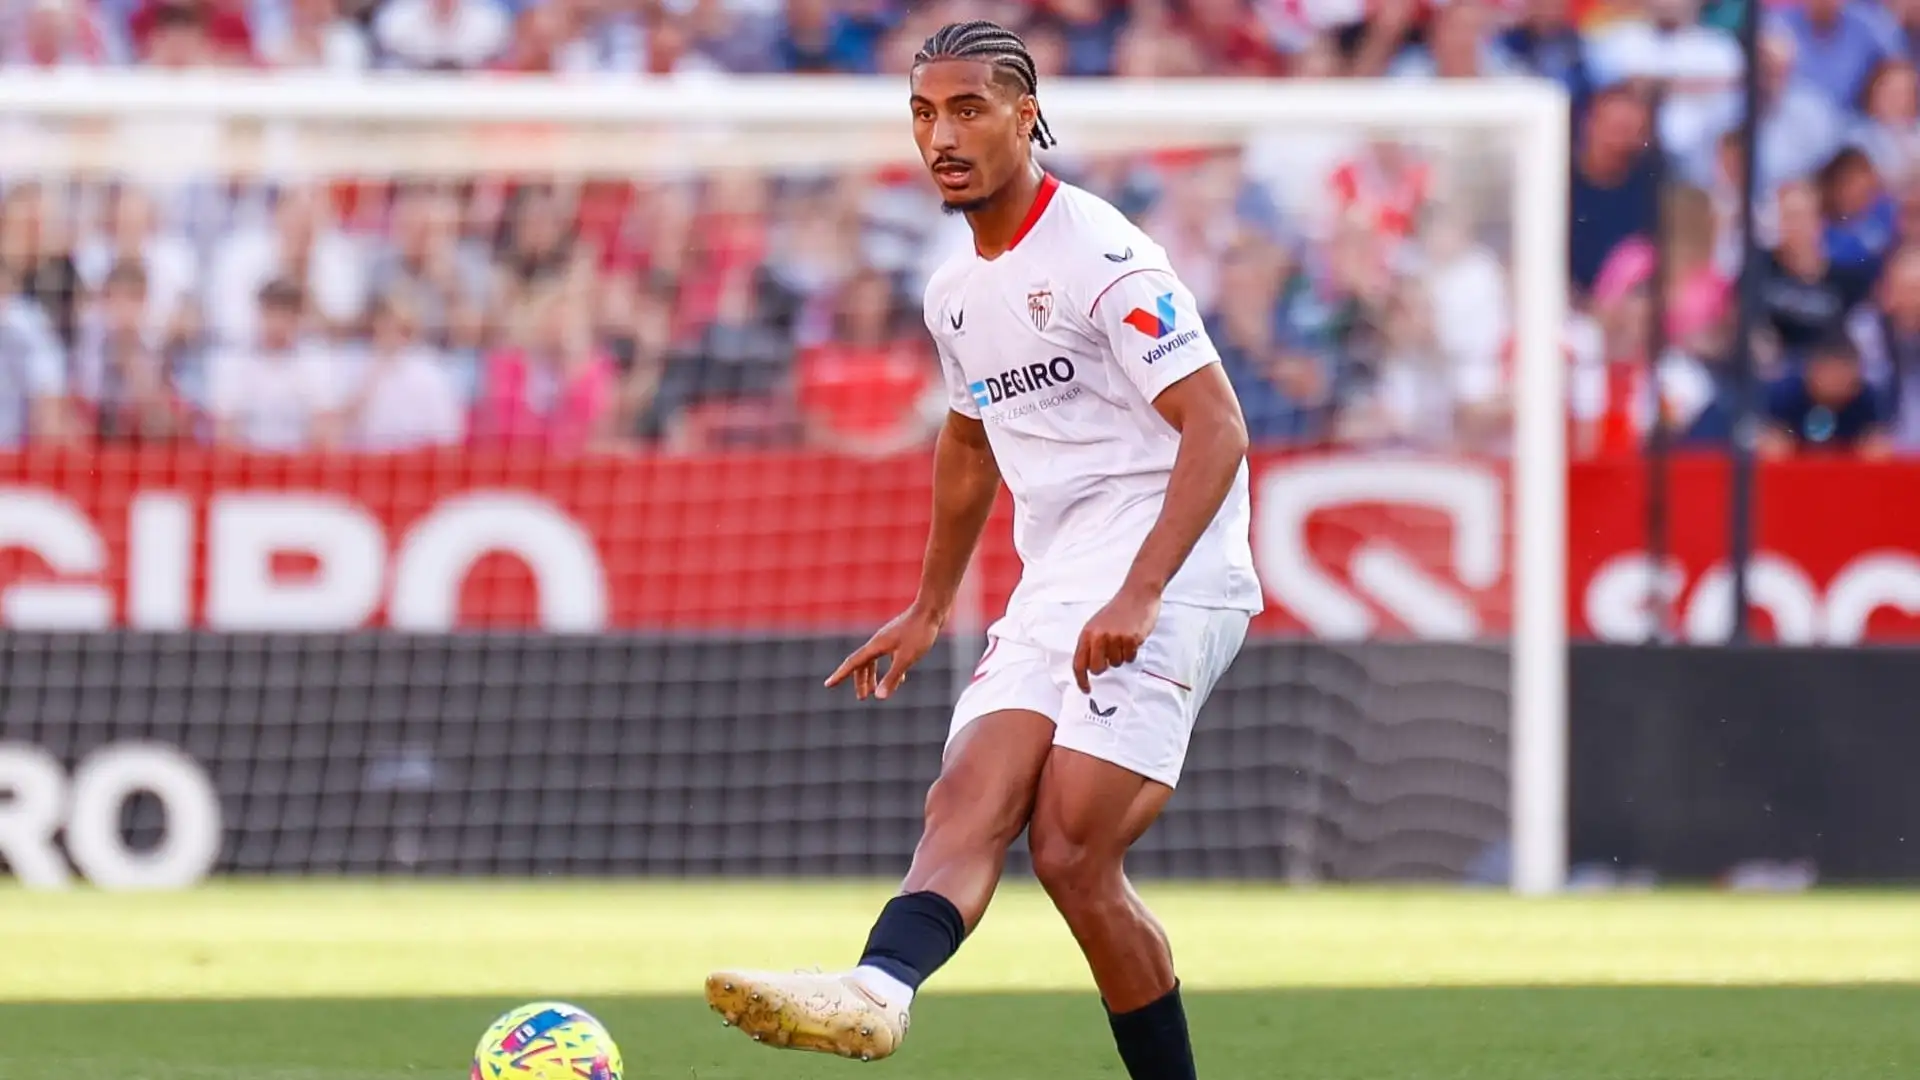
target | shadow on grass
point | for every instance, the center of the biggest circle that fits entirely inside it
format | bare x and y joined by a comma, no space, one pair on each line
1512,1033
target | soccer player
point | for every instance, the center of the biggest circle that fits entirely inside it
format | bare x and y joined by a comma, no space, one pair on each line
1078,373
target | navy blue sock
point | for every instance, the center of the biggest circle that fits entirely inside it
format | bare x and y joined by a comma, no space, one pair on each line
914,935
1153,1039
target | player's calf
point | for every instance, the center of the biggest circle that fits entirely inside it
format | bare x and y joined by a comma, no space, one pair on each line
975,810
1088,814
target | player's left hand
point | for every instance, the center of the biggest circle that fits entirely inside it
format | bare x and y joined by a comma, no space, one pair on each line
1114,635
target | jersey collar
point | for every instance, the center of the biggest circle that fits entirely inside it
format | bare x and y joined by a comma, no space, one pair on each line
1049,184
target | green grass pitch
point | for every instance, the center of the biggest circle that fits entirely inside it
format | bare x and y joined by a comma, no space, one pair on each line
325,981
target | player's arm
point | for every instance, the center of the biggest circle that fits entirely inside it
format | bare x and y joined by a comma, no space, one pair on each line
1203,408
966,478
965,481
1152,330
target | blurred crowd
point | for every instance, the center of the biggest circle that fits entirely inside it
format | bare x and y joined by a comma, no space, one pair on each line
1357,284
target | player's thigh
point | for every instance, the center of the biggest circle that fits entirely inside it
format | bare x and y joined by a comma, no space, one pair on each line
988,777
1089,807
1140,716
998,741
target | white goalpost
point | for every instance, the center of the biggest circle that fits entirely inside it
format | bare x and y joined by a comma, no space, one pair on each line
112,126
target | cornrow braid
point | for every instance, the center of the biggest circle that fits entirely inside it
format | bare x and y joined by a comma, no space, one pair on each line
993,44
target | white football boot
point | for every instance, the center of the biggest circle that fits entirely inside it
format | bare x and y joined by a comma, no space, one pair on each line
809,1010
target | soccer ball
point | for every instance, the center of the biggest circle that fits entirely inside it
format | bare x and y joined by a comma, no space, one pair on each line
546,1040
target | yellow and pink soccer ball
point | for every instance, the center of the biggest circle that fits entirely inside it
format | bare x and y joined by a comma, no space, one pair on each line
547,1040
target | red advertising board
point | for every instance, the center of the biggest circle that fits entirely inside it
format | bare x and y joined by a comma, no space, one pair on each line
1836,551
1347,546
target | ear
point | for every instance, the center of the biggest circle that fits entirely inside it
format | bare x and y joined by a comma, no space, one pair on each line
1028,111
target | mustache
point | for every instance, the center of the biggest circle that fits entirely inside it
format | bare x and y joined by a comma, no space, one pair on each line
940,161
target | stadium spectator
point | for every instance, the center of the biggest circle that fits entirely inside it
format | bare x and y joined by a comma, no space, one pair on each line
732,387
192,33
1615,406
1386,186
302,241
402,396
817,38
1800,128
1906,16
1695,68
865,381
32,371
1838,43
1825,405
1613,188
1887,333
441,35
1370,35
1860,215
313,35
1285,387
176,39
1232,35
273,391
537,243
551,388
729,240
56,35
169,263
1806,294
1545,41
1464,297
1197,218
1457,45
1401,393
1148,50
742,36
424,255
637,322
1088,30
1888,128
1700,290
124,381
36,252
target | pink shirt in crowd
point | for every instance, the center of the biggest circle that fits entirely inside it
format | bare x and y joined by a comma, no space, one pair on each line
526,402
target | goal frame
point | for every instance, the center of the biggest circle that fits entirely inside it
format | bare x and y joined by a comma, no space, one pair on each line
1536,112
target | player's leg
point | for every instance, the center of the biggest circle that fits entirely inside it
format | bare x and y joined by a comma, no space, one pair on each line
1001,739
1118,752
974,811
1088,814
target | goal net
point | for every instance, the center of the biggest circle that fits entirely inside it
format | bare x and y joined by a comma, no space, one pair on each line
479,476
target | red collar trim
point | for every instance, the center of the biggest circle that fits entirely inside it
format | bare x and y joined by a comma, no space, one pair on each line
1049,184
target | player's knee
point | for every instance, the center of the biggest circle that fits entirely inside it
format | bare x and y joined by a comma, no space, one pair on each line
1074,872
964,811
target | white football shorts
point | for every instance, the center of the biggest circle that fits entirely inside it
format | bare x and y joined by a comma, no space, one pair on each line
1138,716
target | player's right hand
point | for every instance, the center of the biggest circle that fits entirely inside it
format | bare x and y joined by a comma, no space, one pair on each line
903,641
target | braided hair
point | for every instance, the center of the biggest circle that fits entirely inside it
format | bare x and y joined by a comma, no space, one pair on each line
996,45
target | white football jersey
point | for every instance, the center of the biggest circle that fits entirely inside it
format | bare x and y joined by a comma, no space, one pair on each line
1059,346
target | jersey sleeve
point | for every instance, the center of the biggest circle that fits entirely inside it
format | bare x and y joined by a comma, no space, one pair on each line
959,398
1151,326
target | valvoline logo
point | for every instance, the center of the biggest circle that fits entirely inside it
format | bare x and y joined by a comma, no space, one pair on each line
1160,324
1157,323
1026,379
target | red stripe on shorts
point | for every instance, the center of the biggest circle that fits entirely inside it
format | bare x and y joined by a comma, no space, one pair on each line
1164,679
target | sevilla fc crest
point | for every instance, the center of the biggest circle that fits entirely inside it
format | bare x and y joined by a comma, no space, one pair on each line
1040,307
